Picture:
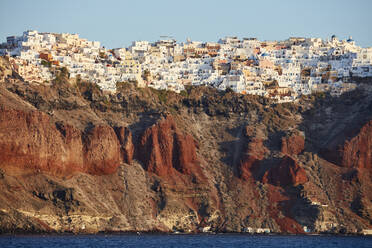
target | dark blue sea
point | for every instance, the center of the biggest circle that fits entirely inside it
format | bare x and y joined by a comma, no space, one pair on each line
179,241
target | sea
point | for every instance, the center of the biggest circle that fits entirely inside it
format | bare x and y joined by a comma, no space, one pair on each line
179,241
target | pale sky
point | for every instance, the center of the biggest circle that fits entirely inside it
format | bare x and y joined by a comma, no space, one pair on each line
117,23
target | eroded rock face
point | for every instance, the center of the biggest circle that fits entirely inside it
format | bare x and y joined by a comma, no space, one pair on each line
255,152
101,150
357,152
293,145
163,150
288,172
354,152
125,139
31,140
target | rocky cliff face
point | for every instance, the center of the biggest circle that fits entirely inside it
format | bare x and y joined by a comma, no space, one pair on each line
356,152
73,159
293,145
288,172
164,150
254,152
31,141
101,150
126,144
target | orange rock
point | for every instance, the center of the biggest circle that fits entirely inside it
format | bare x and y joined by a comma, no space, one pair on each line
354,152
101,150
293,145
357,152
279,205
288,172
254,153
163,150
32,141
125,139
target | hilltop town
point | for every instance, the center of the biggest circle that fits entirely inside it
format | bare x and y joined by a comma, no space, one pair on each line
281,70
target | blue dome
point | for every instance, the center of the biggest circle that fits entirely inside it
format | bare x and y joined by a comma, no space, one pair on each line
350,39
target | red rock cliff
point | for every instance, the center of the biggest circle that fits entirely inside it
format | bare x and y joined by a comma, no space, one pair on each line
353,152
125,140
101,150
163,150
357,152
288,172
293,145
254,152
31,140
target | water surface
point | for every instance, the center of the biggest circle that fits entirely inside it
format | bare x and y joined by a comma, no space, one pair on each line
179,241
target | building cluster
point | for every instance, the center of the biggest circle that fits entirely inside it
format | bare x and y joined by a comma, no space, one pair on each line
282,70
259,230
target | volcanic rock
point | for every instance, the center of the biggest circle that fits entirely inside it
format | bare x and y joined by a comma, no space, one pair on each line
163,150
32,141
293,145
354,152
126,145
288,172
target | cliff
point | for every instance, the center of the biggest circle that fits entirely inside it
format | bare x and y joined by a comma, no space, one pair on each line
354,151
74,159
254,152
288,172
55,148
165,151
293,145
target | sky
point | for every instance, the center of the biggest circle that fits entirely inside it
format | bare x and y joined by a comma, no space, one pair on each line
116,23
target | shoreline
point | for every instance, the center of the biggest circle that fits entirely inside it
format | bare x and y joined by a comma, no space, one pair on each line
156,233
